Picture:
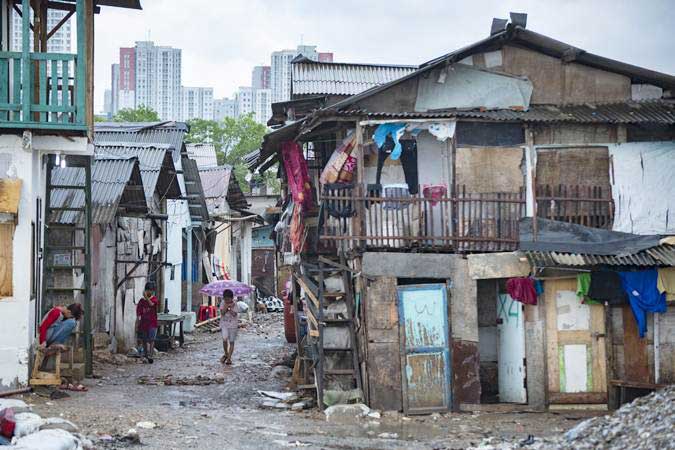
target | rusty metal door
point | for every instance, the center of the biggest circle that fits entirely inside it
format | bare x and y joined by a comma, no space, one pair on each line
425,353
262,270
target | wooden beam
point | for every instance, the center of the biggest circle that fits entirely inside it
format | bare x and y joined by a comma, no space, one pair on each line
60,24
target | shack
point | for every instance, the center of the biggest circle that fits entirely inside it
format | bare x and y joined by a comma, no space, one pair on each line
411,194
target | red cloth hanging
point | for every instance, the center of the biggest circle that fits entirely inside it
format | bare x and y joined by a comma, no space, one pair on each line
522,289
297,174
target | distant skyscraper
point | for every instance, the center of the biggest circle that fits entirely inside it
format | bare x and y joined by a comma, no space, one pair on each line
224,107
107,104
127,78
260,78
244,100
262,107
158,79
60,42
114,88
197,103
280,79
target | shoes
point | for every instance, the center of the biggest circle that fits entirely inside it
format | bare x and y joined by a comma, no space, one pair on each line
150,360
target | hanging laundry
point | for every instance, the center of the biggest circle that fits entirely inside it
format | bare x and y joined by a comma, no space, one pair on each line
666,283
408,162
337,160
442,130
434,192
395,191
395,130
583,285
297,174
522,289
347,173
606,286
297,234
643,296
538,287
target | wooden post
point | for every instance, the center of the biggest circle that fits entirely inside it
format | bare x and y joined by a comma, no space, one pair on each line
360,191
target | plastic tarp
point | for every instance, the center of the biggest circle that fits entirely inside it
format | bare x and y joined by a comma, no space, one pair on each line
643,188
462,86
554,236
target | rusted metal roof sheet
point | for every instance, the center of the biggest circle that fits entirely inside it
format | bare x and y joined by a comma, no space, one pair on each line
631,112
329,78
662,255
113,182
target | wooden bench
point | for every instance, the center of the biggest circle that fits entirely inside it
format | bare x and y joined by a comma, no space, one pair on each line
630,390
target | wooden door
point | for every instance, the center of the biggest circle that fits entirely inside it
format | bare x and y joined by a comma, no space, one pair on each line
575,334
425,353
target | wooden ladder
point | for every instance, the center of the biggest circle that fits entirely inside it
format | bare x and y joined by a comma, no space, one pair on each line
319,320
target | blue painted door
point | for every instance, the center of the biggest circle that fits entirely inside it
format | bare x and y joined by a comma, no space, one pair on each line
425,358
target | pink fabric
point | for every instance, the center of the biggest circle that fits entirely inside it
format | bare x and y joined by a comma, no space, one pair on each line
434,192
297,174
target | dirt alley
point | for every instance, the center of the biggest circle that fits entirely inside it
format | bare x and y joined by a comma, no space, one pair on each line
228,415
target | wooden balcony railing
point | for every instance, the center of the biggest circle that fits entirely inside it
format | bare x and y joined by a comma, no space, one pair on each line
591,206
459,221
44,90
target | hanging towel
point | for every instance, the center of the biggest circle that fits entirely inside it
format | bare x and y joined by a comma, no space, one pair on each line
643,295
666,283
583,285
606,286
522,289
395,130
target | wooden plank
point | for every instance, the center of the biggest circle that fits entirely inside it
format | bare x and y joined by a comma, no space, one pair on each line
309,292
65,88
42,87
384,376
54,100
10,195
636,356
598,347
4,86
16,82
6,259
566,398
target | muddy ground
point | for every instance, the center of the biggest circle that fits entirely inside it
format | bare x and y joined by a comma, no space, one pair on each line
228,415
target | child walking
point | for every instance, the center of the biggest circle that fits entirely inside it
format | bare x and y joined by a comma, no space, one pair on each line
146,312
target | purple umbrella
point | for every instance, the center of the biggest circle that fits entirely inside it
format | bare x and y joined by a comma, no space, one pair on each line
216,288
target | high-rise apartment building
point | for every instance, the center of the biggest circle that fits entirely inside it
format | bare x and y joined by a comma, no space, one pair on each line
244,100
260,78
262,108
224,107
127,78
60,42
197,103
114,88
280,77
158,79
107,104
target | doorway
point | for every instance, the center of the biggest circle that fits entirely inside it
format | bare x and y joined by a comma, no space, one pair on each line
425,350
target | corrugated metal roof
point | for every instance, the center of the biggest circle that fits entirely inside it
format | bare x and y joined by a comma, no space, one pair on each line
110,178
195,192
220,183
632,112
312,77
203,154
153,159
146,133
662,255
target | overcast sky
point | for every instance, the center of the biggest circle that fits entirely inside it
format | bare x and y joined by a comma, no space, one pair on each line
222,40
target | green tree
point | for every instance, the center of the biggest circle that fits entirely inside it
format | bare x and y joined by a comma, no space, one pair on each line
233,139
140,114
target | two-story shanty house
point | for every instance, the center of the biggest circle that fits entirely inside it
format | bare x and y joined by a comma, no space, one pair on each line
46,119
402,217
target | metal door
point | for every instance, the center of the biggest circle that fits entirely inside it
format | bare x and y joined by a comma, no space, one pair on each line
511,350
425,355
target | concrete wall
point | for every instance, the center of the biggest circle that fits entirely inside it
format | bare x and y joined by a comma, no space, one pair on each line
179,219
18,311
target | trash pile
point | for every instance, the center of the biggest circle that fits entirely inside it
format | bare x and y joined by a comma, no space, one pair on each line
23,429
285,401
170,380
646,423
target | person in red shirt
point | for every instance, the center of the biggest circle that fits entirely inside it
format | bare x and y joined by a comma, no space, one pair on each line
146,312
58,324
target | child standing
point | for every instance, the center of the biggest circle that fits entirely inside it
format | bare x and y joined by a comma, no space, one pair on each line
146,313
229,324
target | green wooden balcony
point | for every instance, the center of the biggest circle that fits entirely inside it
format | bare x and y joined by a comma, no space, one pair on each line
41,90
